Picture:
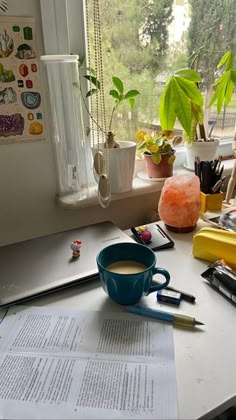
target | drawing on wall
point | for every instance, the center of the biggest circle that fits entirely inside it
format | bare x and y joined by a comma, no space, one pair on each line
21,108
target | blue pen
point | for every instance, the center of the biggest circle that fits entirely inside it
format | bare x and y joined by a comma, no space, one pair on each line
176,319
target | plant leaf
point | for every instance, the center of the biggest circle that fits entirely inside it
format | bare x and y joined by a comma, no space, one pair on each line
114,93
142,146
132,102
118,84
160,141
156,158
220,79
233,76
93,80
197,113
131,94
188,74
229,92
223,92
218,97
171,160
190,89
91,92
167,112
227,59
182,108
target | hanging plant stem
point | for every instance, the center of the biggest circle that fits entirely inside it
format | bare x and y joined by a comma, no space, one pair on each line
89,113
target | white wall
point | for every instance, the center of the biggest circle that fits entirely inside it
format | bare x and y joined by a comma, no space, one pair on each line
28,181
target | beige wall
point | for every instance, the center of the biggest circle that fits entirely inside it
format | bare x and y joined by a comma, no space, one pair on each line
28,181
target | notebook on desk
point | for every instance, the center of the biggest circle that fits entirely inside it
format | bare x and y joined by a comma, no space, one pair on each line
42,265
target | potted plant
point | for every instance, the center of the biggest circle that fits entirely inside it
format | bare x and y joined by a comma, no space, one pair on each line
120,156
182,99
158,153
119,96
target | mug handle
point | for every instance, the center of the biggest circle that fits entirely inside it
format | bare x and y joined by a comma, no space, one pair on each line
164,273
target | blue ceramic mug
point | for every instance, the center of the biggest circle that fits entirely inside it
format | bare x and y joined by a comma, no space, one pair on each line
126,271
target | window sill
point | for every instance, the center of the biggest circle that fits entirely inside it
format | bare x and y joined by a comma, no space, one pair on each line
140,186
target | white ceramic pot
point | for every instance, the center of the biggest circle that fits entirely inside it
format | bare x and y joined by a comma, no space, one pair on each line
206,150
121,166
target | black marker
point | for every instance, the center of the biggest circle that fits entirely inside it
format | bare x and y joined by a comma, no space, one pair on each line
185,296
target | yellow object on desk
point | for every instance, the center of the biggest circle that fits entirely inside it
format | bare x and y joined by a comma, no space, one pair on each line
211,202
212,244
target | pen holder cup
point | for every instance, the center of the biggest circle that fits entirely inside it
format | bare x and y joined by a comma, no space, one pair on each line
211,202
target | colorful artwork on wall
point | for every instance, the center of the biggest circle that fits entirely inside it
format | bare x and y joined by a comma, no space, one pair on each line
21,107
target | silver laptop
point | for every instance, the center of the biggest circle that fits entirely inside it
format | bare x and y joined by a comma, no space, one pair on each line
45,264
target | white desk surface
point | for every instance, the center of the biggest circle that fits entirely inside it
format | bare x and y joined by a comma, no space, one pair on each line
205,358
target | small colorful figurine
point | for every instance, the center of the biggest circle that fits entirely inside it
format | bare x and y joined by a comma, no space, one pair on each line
145,234
75,246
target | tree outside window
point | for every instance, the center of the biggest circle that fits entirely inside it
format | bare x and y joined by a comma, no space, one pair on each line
145,40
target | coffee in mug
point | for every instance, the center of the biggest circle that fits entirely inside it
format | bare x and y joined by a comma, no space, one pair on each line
126,271
126,267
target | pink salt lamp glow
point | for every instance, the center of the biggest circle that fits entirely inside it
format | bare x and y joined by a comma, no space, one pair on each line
179,203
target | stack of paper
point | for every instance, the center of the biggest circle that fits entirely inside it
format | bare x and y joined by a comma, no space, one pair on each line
60,364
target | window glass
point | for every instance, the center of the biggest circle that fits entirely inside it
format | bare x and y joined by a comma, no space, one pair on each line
144,41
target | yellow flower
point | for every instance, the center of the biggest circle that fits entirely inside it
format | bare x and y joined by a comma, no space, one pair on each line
139,136
154,148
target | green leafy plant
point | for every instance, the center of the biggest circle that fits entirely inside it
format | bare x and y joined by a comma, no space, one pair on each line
156,145
182,98
225,83
118,94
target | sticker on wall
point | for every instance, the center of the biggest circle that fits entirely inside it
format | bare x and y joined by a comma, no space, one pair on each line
3,6
20,84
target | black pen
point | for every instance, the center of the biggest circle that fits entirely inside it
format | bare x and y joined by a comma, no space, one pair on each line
137,236
184,295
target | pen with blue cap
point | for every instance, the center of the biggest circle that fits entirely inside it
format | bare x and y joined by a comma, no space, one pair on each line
175,319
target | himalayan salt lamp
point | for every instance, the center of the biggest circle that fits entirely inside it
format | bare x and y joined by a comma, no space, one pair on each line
179,202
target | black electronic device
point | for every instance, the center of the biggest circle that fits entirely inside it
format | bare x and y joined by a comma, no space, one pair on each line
223,278
159,239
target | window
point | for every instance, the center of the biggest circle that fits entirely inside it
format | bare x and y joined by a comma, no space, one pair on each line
143,42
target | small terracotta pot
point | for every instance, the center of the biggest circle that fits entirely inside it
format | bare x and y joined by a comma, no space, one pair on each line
160,170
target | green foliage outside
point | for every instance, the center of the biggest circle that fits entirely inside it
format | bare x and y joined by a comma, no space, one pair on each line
135,53
135,49
212,33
